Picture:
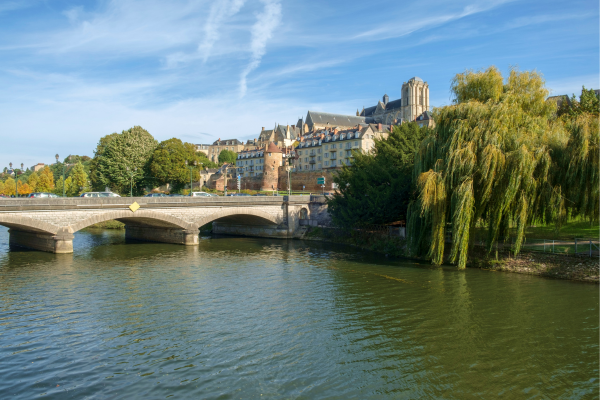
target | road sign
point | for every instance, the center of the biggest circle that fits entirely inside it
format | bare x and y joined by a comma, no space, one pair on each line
321,180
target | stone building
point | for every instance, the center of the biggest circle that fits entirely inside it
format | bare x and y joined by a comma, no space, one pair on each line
219,145
327,149
203,148
280,135
413,103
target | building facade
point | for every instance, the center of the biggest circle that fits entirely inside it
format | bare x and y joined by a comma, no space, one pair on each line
327,149
413,102
219,145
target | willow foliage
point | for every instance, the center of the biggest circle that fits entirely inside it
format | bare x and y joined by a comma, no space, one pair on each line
490,159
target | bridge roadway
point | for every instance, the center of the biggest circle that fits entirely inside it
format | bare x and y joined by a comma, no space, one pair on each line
49,224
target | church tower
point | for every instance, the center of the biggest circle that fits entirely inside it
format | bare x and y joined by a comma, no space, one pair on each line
415,98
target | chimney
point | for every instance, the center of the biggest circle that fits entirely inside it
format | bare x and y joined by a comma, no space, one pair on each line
379,127
335,130
262,129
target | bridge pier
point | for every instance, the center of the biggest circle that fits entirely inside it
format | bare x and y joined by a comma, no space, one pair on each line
189,237
60,243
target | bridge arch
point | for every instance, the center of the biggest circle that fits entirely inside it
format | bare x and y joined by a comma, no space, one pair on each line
148,218
27,224
241,215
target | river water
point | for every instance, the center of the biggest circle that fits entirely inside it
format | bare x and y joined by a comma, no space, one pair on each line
239,318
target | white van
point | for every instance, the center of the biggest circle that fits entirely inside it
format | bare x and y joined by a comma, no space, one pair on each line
99,194
202,194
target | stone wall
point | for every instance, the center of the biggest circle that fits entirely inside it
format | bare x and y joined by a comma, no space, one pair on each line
308,179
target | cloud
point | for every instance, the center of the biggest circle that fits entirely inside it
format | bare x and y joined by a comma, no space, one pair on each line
541,19
219,11
262,31
394,30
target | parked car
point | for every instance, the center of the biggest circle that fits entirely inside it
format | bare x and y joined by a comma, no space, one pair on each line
99,194
201,194
156,195
3,196
238,194
259,194
177,195
36,195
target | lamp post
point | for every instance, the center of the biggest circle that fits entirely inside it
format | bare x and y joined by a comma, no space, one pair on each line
200,183
131,174
16,180
63,174
191,181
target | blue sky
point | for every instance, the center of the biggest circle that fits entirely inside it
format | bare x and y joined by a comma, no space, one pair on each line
73,71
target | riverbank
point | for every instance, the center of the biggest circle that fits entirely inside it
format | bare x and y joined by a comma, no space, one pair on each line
578,268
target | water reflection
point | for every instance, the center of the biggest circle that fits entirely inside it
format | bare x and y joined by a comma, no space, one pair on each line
241,317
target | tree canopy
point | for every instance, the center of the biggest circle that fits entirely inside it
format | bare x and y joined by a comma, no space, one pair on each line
121,158
227,156
376,187
167,163
498,155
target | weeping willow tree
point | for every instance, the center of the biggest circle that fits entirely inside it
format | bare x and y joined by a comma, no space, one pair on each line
490,159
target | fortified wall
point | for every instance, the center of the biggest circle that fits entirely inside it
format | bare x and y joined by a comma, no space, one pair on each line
279,179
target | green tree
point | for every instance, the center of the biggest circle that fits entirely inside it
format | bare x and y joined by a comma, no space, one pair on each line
376,187
129,149
79,180
588,103
227,156
488,159
168,163
97,182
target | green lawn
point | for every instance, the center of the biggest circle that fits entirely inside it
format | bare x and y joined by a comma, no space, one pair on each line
570,230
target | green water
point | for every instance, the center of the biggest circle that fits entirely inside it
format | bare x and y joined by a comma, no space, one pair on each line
251,318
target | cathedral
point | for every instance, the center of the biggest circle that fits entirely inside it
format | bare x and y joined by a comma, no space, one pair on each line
414,102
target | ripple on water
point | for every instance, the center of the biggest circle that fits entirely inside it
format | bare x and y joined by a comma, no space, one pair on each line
241,318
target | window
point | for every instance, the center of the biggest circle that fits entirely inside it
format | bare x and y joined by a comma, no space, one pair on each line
356,143
326,156
326,147
326,163
269,154
319,167
319,158
299,153
319,151
305,159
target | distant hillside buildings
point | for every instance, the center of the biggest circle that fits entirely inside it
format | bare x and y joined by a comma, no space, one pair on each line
320,141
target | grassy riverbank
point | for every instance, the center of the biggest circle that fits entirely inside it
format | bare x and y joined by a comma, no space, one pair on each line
111,224
579,268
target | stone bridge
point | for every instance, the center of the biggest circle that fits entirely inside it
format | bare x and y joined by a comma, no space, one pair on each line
48,224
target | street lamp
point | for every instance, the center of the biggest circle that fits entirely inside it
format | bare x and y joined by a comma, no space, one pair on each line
200,183
16,180
191,181
131,174
63,174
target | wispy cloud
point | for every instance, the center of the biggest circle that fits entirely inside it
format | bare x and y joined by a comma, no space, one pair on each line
394,30
219,12
262,31
541,19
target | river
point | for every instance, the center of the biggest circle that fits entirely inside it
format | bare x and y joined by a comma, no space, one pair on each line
243,318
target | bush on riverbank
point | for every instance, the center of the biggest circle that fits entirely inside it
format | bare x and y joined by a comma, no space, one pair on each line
390,246
579,268
111,224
